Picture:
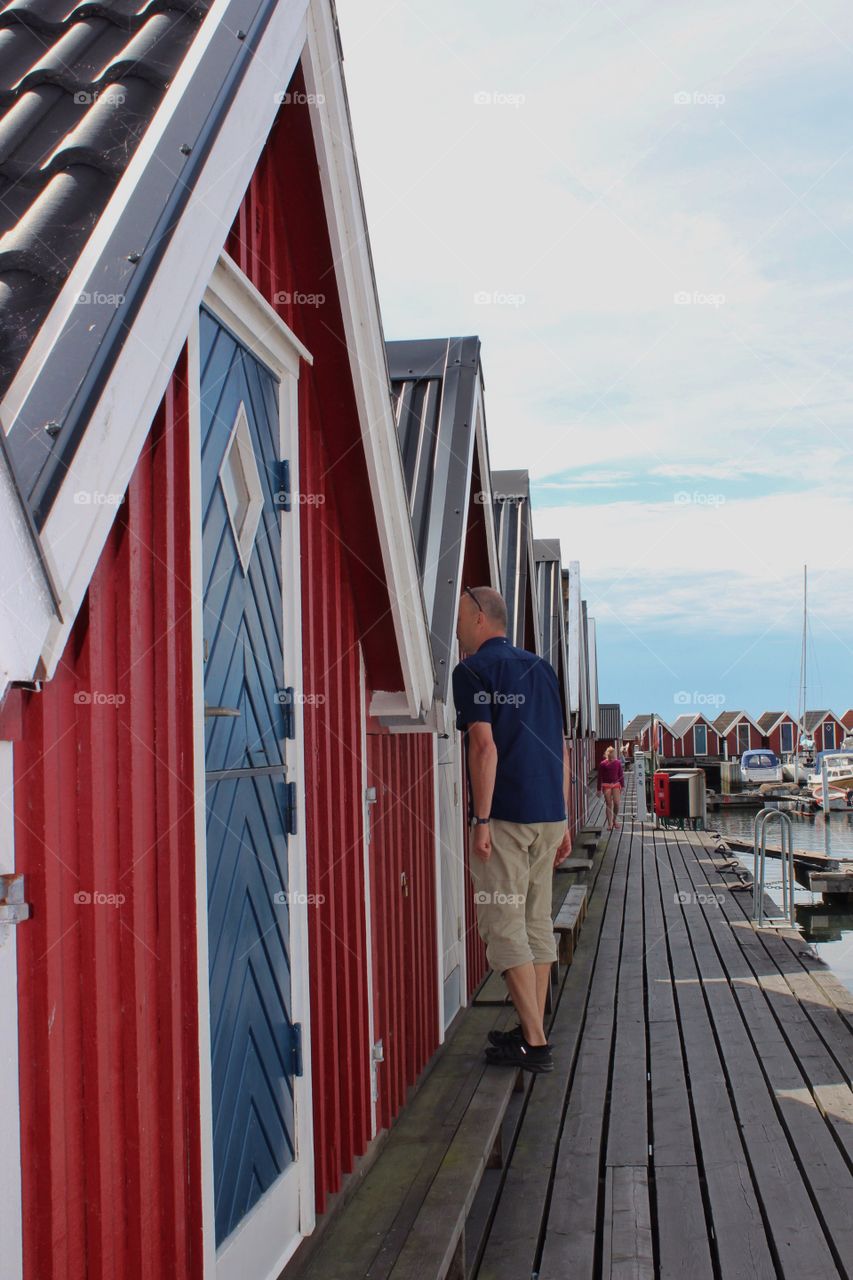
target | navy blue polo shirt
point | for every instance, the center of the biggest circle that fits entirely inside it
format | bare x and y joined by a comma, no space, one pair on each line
517,693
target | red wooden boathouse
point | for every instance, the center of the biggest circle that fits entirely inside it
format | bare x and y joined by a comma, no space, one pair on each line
780,732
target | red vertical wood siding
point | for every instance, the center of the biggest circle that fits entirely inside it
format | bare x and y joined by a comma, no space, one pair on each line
280,241
405,964
334,821
108,993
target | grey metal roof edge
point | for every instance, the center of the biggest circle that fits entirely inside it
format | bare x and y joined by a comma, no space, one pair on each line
64,398
547,549
549,586
511,497
410,358
454,364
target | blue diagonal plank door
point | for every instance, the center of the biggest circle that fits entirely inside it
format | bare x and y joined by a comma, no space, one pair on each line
252,1038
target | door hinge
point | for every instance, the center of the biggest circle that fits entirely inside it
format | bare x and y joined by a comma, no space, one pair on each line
13,908
377,1055
296,1048
369,799
290,809
286,699
282,496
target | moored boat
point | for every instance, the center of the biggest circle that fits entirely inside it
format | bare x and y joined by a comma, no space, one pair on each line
760,766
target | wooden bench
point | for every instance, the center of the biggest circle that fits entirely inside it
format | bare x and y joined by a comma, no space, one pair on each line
568,922
576,864
434,1248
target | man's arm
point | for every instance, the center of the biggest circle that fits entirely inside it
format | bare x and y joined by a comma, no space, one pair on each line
482,766
483,763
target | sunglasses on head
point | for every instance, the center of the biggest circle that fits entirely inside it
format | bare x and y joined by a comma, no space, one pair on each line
469,592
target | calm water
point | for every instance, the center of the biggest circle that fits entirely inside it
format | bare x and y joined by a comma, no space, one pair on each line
829,931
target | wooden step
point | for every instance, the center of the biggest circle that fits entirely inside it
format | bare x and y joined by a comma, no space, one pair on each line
576,864
435,1245
568,922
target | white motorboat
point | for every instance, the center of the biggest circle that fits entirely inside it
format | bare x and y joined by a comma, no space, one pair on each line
839,776
759,766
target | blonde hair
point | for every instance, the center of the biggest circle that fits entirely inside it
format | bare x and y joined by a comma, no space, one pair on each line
610,751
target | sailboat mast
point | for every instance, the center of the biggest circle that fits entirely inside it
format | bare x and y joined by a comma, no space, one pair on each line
803,656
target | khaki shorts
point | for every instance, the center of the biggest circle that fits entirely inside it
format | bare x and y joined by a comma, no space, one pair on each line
512,892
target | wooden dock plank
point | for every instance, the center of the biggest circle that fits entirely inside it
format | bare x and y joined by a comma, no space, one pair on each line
810,1023
659,993
683,1240
740,1241
683,1249
628,1131
514,1238
814,1100
797,1232
627,1235
572,1224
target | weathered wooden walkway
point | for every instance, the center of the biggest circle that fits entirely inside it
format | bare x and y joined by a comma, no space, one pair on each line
699,1122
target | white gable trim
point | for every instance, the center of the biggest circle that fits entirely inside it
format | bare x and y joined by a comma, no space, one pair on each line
366,347
75,533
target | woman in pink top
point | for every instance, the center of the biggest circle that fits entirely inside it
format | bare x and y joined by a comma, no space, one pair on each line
611,780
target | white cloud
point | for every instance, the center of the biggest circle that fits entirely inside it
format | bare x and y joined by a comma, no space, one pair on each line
596,200
688,562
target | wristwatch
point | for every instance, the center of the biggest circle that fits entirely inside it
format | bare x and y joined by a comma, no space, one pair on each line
480,822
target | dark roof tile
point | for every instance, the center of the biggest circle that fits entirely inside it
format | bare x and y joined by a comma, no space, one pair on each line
48,239
26,135
24,303
19,50
44,16
157,49
78,60
79,85
106,136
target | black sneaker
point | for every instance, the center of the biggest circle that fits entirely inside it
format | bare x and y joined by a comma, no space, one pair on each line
506,1037
513,1036
518,1053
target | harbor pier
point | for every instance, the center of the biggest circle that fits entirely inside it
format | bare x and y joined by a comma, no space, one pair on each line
699,1120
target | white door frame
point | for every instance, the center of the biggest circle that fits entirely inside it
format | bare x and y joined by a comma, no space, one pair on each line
450,848
264,1241
368,895
11,1220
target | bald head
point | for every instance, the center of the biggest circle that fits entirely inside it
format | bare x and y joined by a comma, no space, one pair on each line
482,615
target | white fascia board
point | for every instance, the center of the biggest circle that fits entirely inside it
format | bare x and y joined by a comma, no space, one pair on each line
366,348
485,494
26,607
593,676
533,580
75,533
574,625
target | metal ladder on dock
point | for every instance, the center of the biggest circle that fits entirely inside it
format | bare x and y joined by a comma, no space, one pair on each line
759,854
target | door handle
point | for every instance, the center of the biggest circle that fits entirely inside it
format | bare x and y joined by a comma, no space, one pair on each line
221,711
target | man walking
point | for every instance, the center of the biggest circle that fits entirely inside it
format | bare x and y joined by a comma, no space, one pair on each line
508,701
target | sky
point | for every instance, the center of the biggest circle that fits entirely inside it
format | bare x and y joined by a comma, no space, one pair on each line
645,211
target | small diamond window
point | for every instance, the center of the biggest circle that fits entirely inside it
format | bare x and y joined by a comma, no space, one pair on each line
241,485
